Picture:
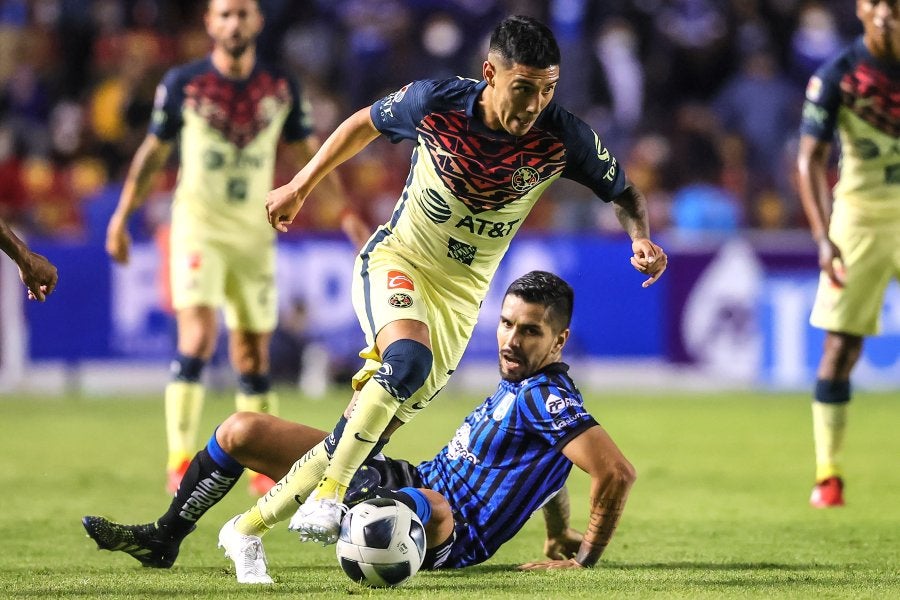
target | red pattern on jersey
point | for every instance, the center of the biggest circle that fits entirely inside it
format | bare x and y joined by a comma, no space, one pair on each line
236,109
873,96
480,170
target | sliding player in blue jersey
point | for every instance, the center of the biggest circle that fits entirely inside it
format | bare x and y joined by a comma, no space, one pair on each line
510,457
485,152
857,95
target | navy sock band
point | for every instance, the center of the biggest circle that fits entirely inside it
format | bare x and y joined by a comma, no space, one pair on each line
222,458
422,506
187,368
254,383
830,391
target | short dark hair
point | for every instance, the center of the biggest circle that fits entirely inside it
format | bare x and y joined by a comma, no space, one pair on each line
548,290
525,41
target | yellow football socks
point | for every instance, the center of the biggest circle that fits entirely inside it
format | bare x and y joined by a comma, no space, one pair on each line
371,414
261,403
184,404
280,503
829,424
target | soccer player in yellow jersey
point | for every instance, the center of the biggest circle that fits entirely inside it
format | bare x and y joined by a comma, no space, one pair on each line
485,152
857,94
227,112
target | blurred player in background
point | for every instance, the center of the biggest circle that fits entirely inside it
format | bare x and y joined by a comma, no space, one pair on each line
857,94
228,112
37,273
509,457
485,152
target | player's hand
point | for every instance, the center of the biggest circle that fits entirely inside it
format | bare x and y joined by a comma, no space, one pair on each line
563,546
831,262
282,205
118,240
39,276
648,259
548,565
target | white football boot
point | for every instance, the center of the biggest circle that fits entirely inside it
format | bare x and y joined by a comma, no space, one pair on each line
247,553
319,520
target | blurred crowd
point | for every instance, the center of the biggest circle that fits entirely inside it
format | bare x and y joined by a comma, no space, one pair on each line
700,99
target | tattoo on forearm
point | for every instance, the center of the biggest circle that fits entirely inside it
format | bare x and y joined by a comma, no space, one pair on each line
604,519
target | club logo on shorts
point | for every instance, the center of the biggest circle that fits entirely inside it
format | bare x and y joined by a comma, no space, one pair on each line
525,178
399,280
400,300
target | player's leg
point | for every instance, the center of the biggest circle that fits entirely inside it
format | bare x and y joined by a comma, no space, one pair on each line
847,314
197,279
397,479
390,303
406,362
251,315
829,408
184,394
252,440
249,353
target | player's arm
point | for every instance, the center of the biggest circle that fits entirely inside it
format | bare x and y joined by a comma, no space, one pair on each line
631,210
331,187
812,169
150,157
611,479
37,273
351,136
562,541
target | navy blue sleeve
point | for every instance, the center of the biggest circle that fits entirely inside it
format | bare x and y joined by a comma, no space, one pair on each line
398,114
588,160
166,120
823,99
298,125
553,413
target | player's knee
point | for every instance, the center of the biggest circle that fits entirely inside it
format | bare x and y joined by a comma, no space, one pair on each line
441,524
237,432
187,368
405,366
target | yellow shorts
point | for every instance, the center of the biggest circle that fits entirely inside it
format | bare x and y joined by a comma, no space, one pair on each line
242,282
871,260
388,288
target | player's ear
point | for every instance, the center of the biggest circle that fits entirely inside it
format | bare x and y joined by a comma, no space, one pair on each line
561,338
489,72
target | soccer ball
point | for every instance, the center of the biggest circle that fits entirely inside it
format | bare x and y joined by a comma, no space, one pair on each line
382,543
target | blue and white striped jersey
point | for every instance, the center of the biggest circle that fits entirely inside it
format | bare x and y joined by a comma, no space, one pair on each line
505,461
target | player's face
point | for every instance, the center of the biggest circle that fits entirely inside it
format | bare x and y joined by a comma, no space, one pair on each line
518,94
526,339
881,24
233,24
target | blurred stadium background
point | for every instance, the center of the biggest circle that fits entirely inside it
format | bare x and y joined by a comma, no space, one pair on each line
700,100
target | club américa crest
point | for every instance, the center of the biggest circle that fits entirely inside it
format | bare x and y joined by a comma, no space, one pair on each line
525,178
400,300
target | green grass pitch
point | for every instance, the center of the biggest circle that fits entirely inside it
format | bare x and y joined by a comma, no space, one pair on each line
719,509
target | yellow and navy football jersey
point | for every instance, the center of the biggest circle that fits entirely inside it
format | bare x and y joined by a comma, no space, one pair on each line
229,131
859,96
470,188
511,442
